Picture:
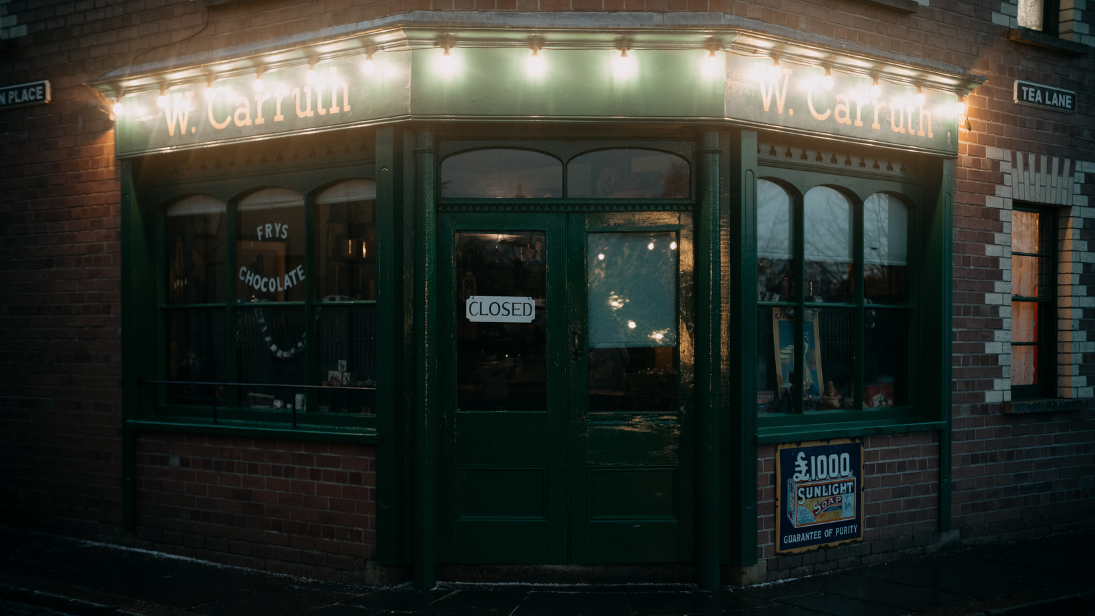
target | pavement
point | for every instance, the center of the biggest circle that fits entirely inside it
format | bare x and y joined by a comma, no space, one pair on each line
47,575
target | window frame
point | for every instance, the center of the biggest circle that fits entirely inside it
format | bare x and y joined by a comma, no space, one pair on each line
1047,311
858,186
309,183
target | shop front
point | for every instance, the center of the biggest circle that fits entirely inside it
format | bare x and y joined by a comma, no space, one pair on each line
560,283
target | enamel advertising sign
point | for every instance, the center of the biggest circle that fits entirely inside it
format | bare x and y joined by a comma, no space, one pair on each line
819,494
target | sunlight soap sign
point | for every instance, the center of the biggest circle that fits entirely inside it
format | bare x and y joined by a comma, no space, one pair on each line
819,494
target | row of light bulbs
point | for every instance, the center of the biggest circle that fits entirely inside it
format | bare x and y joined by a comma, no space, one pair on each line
623,66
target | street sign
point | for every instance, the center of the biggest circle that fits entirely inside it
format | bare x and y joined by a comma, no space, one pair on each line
36,93
1046,97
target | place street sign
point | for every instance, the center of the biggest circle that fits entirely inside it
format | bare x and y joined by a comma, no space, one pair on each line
1038,95
36,93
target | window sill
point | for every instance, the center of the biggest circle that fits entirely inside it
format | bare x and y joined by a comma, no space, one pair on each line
1044,405
233,428
768,435
1039,39
901,6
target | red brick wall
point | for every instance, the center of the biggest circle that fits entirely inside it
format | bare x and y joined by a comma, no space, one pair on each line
900,507
299,507
59,242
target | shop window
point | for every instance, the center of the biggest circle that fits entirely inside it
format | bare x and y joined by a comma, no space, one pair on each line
628,174
300,312
833,322
501,173
1033,337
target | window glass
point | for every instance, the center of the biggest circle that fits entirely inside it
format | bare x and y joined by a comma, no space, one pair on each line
501,174
346,238
270,246
1032,289
827,238
771,397
885,249
632,313
347,359
775,242
195,352
886,358
501,366
271,349
194,231
627,174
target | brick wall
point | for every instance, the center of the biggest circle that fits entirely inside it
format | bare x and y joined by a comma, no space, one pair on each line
299,507
59,246
900,507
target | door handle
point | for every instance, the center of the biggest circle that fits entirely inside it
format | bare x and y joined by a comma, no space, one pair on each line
576,356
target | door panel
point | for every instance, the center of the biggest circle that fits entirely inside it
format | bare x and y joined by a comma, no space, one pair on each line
567,435
503,476
629,277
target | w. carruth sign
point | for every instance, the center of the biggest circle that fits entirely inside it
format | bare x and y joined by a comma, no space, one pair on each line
36,93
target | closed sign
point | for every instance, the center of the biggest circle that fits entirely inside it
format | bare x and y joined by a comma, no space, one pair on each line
496,309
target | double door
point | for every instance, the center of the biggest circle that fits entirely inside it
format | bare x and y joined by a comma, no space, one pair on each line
566,363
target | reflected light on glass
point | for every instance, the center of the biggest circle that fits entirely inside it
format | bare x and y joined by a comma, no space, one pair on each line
650,246
601,257
631,324
673,245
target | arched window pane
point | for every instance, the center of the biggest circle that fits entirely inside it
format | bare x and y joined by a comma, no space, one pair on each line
270,246
501,174
885,249
775,241
827,259
347,241
194,244
627,174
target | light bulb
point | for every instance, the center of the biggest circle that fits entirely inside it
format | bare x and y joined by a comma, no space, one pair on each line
311,77
876,90
446,64
711,64
622,66
258,86
161,100
535,65
367,66
960,108
774,71
919,98
119,108
210,92
827,80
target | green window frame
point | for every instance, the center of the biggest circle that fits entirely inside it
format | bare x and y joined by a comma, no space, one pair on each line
1033,302
317,317
871,340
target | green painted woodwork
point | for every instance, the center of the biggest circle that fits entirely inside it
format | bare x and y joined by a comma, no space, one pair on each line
426,344
249,429
391,477
797,100
578,85
564,484
738,250
708,365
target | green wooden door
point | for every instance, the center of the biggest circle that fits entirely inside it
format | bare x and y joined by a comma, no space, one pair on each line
566,373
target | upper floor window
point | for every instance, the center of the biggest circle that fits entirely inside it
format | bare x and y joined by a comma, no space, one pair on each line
1033,298
1041,15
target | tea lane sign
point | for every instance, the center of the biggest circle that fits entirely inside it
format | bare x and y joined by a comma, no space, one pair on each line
1046,97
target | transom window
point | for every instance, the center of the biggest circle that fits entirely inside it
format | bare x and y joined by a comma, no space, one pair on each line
833,300
620,173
